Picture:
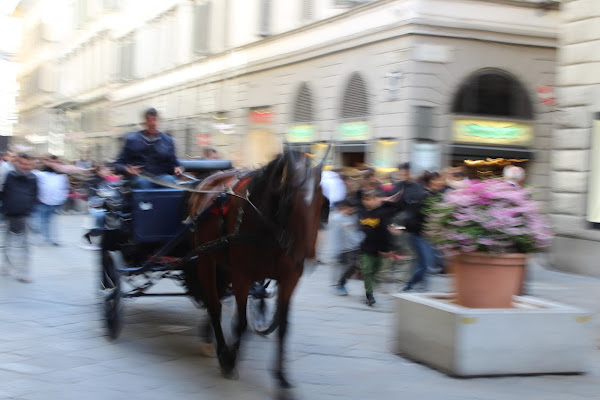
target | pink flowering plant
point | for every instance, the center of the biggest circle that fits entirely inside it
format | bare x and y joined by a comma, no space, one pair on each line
489,216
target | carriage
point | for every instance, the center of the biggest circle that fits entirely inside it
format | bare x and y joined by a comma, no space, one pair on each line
145,240
245,234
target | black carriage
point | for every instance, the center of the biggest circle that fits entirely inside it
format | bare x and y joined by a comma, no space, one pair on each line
146,239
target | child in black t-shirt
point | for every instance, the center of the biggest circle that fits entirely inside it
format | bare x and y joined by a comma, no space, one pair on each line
374,216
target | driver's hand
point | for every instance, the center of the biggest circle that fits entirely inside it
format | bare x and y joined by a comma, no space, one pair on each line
179,170
133,169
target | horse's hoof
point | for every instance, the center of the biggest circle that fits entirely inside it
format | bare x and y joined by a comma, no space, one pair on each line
230,374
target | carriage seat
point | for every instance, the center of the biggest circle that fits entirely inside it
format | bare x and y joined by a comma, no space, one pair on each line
157,214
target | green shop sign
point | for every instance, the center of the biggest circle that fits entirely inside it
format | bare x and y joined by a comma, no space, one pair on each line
492,132
301,133
357,130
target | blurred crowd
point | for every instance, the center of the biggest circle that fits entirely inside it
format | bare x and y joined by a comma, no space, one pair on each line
374,224
33,190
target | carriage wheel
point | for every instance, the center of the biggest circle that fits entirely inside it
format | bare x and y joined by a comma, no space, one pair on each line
110,287
262,306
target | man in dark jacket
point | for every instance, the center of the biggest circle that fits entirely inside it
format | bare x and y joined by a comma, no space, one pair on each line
150,152
19,198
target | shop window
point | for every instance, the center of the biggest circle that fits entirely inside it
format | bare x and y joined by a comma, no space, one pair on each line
127,51
355,104
424,122
494,93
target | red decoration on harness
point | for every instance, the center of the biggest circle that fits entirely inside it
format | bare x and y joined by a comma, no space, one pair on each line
220,210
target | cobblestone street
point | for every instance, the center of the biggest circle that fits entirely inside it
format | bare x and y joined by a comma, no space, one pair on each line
53,346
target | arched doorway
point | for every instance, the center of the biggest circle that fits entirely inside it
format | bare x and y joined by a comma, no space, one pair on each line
492,123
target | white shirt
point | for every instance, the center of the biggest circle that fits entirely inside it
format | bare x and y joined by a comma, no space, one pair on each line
333,186
53,188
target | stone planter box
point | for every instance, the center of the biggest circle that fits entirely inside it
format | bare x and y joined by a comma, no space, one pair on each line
535,337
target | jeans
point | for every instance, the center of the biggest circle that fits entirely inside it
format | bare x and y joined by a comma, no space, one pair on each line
16,245
424,257
137,182
45,213
349,262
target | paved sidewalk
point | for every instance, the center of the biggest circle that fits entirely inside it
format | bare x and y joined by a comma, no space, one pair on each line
52,344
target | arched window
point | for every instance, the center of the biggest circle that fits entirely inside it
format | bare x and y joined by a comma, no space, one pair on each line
303,105
495,93
355,104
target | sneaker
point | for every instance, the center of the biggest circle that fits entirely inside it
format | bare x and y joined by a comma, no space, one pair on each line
407,288
370,300
24,279
340,290
86,246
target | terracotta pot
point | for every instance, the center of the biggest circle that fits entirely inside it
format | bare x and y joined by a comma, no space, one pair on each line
488,280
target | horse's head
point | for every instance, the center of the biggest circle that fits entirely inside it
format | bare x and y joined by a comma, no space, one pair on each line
305,202
290,195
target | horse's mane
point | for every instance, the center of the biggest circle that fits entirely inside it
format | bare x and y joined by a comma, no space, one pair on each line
270,187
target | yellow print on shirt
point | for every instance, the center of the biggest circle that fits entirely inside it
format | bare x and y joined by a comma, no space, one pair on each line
372,222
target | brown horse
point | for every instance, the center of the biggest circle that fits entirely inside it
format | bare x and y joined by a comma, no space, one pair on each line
271,218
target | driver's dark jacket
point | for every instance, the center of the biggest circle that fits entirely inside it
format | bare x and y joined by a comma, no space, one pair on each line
157,157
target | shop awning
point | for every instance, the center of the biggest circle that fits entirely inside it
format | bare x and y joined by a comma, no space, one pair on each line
481,152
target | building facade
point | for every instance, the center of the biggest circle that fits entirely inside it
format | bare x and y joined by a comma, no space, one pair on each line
576,141
379,78
434,82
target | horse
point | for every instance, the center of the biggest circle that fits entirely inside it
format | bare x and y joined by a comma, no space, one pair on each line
271,219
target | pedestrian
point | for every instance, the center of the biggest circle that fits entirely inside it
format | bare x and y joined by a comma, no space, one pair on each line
334,190
53,191
210,153
150,152
514,175
456,177
425,254
347,237
369,182
19,198
6,166
375,216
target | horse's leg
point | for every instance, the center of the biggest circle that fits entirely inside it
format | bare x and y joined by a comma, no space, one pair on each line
241,288
207,272
286,288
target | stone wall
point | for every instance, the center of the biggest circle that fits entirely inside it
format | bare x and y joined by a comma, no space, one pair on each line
576,244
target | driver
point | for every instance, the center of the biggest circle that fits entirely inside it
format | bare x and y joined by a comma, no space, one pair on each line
151,152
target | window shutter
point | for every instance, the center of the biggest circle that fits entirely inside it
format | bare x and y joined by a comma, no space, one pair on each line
264,28
303,106
201,28
308,10
355,104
